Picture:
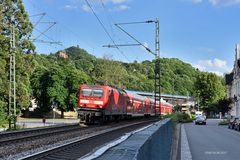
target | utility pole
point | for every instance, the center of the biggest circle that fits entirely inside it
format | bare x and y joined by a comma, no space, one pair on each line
173,87
157,87
12,80
157,69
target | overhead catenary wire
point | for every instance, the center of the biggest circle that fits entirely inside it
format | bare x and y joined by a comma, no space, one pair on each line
39,20
109,17
64,26
51,40
43,32
111,21
104,28
140,43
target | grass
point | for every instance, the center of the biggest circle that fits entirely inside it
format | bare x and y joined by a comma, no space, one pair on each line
223,122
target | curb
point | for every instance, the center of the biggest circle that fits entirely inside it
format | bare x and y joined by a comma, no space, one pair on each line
185,150
175,143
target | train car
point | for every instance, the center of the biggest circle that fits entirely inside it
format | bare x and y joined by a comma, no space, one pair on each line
154,108
166,108
104,103
138,106
150,110
101,103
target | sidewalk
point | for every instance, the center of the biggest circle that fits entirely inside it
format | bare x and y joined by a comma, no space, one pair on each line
185,150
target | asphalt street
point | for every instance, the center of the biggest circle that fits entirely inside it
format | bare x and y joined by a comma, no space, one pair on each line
212,142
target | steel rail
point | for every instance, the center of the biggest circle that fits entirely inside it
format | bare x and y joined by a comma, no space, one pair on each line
72,149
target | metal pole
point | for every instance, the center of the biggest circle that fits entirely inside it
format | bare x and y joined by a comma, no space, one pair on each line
157,87
12,80
157,69
173,93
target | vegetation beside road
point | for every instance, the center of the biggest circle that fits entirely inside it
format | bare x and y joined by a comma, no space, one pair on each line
223,122
211,93
180,117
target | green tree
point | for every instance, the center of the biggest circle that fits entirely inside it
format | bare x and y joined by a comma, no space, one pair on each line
210,89
56,88
49,88
82,59
110,72
40,81
73,80
13,13
3,115
223,105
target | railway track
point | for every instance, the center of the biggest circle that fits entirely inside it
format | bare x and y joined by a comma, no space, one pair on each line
29,134
85,144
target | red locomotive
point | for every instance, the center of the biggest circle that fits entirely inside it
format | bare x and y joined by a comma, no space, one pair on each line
104,103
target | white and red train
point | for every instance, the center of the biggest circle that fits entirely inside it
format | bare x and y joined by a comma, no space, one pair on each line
104,103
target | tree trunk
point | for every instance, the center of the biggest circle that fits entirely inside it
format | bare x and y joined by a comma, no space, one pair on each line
62,114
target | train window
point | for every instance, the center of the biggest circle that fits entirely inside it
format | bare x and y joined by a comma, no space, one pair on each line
97,92
86,92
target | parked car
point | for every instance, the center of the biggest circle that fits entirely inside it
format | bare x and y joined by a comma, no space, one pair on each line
232,122
237,124
200,120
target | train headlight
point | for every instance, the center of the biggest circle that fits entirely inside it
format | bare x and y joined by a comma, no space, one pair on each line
100,106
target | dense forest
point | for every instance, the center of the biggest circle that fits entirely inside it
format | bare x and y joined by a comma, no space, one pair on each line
54,80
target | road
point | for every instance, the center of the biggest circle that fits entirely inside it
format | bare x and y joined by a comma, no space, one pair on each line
212,142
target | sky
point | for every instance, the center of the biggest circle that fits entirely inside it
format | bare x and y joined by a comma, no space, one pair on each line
203,33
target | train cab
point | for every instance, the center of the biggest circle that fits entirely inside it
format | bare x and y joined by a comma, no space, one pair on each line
99,103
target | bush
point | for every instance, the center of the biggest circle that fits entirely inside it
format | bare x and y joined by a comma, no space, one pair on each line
3,118
223,122
180,117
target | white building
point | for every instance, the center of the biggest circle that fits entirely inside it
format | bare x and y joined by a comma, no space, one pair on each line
233,84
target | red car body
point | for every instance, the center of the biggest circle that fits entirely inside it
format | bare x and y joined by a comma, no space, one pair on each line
102,103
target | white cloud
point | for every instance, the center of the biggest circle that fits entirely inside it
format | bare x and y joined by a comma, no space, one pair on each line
217,2
215,65
217,73
219,63
111,1
112,5
198,66
120,8
146,44
205,63
224,2
69,7
86,8
119,1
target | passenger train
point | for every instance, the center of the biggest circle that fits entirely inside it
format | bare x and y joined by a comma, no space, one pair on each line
105,103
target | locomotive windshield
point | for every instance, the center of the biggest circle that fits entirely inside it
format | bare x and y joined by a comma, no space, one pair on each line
92,92
86,92
97,93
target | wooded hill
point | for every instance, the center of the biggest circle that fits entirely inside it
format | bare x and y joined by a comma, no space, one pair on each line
177,77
